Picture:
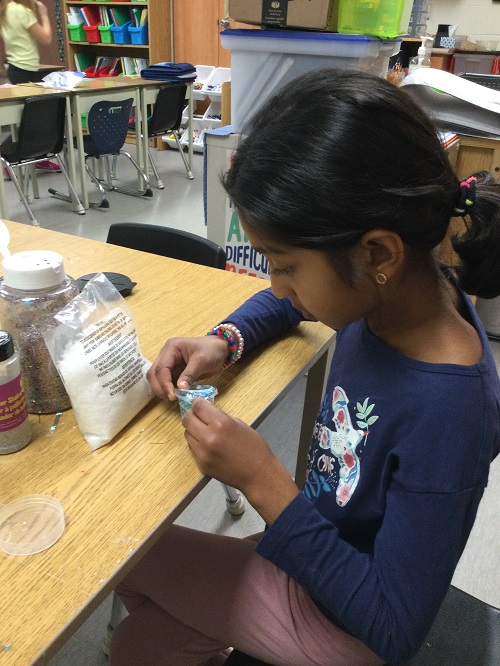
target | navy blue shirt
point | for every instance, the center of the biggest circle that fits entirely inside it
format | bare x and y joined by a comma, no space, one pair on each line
397,466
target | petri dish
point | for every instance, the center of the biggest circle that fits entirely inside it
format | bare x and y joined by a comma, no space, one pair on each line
30,524
186,396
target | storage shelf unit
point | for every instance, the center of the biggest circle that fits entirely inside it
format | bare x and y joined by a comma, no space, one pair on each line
158,48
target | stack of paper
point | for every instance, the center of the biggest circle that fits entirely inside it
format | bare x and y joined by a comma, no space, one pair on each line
456,104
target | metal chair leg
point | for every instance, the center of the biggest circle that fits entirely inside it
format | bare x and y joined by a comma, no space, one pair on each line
181,151
20,190
159,183
147,192
74,196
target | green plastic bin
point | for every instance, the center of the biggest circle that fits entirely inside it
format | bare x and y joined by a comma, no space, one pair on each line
385,18
77,33
106,34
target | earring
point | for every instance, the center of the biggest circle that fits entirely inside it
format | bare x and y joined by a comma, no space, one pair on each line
381,278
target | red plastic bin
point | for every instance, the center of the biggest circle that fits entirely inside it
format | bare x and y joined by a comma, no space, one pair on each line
92,32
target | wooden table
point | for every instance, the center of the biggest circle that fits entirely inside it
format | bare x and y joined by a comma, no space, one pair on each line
119,499
11,107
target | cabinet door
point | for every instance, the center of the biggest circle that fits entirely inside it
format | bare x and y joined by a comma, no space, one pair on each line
477,154
197,24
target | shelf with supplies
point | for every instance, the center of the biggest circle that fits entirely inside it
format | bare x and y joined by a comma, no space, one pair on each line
116,29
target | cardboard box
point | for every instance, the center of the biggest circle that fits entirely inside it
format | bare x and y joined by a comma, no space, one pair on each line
305,14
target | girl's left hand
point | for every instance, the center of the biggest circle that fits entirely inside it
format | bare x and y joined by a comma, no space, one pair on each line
41,8
230,451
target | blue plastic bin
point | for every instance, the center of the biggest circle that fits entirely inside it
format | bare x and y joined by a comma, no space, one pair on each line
121,35
139,35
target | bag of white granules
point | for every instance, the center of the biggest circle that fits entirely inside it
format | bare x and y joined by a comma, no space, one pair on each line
96,351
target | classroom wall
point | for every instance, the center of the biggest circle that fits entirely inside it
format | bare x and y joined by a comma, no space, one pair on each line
475,18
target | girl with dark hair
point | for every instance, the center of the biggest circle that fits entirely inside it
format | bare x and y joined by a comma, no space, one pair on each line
341,182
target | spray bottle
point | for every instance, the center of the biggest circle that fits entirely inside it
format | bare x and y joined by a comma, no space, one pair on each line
423,57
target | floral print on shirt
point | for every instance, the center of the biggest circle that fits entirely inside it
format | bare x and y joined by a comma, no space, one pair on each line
334,462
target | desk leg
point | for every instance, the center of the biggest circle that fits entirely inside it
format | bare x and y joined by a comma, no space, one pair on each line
4,209
70,151
142,128
77,116
190,131
312,402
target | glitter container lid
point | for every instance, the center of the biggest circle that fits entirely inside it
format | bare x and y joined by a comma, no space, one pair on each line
30,524
186,396
33,269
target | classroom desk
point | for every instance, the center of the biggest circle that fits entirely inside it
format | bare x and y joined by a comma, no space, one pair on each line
90,91
120,499
11,107
80,100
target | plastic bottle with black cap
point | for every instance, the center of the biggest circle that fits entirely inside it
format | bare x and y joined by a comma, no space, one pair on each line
15,426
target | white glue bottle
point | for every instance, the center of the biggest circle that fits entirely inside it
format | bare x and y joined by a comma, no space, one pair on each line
423,57
15,426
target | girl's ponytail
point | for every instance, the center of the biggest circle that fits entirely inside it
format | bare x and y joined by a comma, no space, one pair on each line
478,248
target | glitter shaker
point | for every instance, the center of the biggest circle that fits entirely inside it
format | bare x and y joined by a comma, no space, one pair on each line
33,289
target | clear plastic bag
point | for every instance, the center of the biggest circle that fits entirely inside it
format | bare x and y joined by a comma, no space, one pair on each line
96,351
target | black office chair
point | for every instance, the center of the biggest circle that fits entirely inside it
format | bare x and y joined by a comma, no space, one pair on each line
167,242
40,137
466,632
166,118
107,126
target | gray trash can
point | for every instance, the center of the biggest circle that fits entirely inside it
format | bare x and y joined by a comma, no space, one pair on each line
488,310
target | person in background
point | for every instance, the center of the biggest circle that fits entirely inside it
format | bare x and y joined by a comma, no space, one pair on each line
23,25
341,182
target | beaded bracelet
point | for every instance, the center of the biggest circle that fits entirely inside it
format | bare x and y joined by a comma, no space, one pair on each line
235,343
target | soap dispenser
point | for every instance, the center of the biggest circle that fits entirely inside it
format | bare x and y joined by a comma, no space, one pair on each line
423,57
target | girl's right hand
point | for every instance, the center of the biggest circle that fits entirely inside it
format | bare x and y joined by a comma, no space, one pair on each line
183,361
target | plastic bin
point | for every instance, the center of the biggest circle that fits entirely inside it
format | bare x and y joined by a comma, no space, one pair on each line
92,32
213,85
106,34
213,113
262,61
77,33
121,34
139,35
202,74
473,63
385,18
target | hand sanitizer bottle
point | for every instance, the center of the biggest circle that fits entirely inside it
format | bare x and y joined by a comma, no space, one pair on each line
423,57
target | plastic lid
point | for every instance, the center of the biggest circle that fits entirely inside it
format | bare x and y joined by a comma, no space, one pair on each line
33,269
6,346
30,524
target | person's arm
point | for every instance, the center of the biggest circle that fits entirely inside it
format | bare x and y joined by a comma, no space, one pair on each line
263,317
183,361
42,30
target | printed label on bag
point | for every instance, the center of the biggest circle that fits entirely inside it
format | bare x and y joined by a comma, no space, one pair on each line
13,409
274,12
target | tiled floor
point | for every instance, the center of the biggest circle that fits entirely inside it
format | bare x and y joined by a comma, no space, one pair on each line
180,205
